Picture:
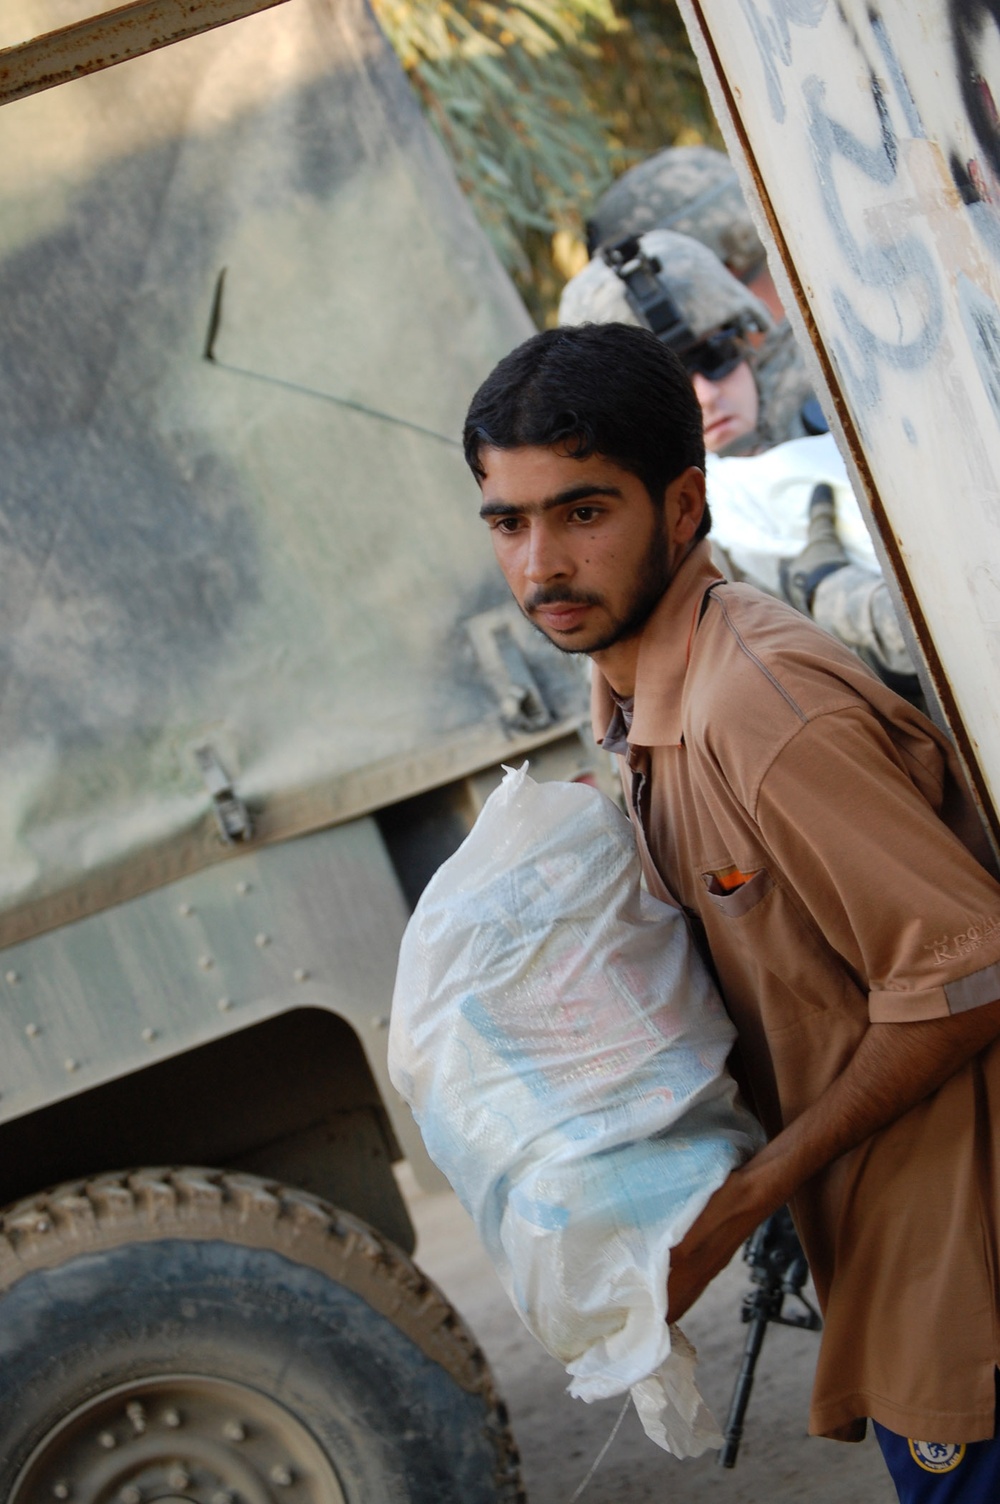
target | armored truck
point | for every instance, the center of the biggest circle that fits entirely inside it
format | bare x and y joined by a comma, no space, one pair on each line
257,674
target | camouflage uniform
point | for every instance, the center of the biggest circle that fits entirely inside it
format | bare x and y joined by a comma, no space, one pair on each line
853,604
690,189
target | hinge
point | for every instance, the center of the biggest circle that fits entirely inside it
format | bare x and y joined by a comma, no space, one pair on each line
502,659
231,813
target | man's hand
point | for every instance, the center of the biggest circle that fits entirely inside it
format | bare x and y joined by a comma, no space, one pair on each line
895,1067
707,1247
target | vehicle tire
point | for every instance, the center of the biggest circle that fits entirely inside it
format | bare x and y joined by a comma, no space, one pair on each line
196,1337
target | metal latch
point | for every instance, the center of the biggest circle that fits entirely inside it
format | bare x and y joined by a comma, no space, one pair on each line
502,659
231,813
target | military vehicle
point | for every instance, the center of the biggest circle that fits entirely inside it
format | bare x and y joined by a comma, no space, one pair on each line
257,674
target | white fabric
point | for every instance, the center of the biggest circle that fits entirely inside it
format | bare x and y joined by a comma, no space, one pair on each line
563,1050
760,506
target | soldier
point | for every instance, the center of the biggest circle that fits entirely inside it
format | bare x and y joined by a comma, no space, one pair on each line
751,400
764,389
693,190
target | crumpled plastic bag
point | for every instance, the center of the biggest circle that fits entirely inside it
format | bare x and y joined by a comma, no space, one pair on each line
563,1050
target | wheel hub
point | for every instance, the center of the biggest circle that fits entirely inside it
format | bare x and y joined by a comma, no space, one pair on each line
179,1439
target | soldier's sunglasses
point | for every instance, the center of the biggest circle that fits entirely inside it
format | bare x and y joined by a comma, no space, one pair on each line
716,357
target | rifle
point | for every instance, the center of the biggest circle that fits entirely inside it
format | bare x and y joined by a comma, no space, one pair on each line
777,1268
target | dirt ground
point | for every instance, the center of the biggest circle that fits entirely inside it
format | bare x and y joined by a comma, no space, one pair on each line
560,1437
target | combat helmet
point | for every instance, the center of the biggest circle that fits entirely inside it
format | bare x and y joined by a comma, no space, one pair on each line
707,298
691,189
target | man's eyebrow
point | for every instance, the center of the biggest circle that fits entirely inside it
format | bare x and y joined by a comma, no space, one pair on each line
500,508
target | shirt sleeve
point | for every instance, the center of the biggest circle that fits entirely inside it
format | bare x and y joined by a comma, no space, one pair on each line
889,885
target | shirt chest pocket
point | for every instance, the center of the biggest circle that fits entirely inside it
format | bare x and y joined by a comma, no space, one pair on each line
734,892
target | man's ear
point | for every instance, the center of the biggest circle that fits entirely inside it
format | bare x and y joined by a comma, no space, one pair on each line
685,499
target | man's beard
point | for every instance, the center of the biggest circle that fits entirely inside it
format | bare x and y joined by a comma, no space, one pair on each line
649,589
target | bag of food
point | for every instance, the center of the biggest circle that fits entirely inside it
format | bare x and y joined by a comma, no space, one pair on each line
563,1050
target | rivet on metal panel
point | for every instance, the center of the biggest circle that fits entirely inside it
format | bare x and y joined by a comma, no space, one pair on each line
243,889
380,1023
300,974
31,1030
149,1035
185,910
224,1004
13,976
261,940
206,963
71,1065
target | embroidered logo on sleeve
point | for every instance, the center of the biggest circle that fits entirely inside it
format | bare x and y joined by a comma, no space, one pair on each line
953,947
937,1456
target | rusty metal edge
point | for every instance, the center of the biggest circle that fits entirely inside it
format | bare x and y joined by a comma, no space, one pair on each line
112,37
725,104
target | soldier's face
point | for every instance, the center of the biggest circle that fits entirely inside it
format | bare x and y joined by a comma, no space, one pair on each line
729,408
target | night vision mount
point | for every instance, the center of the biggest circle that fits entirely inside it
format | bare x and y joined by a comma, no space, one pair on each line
647,297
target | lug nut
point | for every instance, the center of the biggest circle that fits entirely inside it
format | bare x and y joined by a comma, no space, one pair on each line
172,1418
137,1415
107,1441
130,1494
178,1477
60,1490
281,1475
234,1430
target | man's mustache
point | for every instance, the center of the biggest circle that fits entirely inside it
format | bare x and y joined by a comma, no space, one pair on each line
560,596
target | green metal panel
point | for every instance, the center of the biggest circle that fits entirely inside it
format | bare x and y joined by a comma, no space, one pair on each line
273,552
314,922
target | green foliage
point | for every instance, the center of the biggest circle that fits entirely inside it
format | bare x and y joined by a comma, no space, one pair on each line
540,103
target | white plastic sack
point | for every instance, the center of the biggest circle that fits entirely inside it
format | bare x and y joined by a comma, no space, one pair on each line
760,506
563,1051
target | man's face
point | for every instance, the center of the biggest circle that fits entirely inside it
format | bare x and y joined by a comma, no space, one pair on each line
729,408
585,552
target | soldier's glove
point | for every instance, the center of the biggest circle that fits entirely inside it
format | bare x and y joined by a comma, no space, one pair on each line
822,555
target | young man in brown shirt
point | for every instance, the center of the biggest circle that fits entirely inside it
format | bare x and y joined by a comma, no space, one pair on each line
815,830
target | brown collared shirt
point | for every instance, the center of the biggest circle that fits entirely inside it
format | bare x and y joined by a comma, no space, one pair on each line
815,829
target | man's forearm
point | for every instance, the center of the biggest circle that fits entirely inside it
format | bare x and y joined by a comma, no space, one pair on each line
895,1067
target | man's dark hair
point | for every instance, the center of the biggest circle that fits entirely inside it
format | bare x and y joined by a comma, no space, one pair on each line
607,389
